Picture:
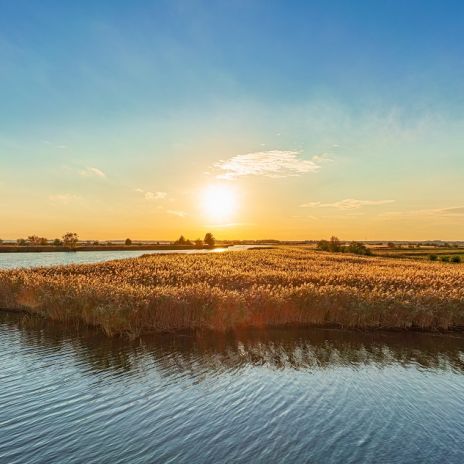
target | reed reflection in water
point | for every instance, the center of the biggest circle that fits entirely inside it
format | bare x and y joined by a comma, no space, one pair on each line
258,396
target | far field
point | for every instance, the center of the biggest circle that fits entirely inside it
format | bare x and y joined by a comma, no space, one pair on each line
221,291
417,253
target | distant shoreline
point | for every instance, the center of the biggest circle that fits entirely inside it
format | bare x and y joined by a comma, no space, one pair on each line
62,249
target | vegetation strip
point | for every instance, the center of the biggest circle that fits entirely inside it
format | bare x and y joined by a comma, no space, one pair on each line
269,287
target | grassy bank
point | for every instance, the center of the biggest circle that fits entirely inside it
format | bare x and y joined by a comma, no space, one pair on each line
252,288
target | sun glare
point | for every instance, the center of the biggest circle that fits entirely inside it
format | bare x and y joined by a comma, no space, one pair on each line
219,202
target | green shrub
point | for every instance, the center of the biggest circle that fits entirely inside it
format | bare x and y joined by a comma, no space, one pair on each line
445,259
358,249
456,259
433,257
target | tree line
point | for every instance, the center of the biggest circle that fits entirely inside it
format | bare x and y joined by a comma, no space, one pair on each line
334,245
71,239
209,240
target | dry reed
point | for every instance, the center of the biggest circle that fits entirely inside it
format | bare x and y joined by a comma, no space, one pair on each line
220,291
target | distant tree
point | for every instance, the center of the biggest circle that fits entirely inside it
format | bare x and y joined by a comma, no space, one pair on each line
36,240
335,244
198,242
433,257
456,259
21,241
323,245
96,242
128,242
209,239
180,241
444,259
57,242
33,240
358,249
70,239
391,245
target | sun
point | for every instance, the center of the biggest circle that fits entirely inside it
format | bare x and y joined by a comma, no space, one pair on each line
219,202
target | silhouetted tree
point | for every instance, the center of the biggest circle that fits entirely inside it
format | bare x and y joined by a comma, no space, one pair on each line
128,241
180,241
70,239
57,242
209,239
36,240
198,242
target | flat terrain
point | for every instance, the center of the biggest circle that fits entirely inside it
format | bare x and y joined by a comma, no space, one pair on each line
272,287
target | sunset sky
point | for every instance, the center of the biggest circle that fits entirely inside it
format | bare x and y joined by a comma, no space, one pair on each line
250,119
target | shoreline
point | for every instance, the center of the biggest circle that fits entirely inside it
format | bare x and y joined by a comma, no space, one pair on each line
62,249
453,330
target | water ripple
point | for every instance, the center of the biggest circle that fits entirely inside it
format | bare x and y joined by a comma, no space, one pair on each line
259,396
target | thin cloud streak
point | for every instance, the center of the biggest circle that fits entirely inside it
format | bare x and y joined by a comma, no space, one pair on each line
453,211
346,204
177,213
92,172
63,198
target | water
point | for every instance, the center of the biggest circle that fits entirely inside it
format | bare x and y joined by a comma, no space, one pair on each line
51,258
276,396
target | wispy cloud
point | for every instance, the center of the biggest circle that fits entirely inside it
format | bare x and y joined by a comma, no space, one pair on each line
92,172
177,213
155,195
348,203
152,195
274,163
63,198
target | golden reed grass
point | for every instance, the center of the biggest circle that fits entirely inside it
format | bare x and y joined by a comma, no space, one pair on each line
293,286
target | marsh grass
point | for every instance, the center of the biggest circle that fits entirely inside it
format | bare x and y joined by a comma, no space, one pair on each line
275,287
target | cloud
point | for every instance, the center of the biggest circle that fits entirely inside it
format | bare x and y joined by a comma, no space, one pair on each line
177,213
152,195
454,211
274,163
155,195
63,198
92,172
348,203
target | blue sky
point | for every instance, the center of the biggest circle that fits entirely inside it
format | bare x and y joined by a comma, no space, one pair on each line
155,94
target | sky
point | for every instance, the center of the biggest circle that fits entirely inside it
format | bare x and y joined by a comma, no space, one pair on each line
250,119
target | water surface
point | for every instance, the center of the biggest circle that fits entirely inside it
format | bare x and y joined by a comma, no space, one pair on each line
53,258
293,396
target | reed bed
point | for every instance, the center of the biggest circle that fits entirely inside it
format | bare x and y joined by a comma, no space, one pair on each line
273,287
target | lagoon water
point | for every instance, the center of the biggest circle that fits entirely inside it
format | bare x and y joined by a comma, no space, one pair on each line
269,396
54,258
